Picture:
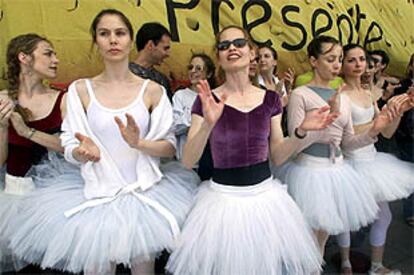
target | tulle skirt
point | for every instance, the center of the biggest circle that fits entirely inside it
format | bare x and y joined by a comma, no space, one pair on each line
13,190
387,177
126,230
331,195
251,230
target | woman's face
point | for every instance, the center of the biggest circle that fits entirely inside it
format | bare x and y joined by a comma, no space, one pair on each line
44,62
253,66
369,72
354,63
238,54
197,70
328,64
113,38
267,63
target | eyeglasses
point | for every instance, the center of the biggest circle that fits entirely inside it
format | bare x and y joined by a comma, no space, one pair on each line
197,68
238,43
376,60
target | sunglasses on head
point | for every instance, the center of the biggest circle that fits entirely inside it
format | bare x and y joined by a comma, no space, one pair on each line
197,68
238,43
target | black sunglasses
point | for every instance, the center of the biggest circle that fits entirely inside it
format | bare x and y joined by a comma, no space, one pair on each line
238,43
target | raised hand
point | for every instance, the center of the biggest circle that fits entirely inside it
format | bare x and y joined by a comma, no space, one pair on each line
399,104
212,110
19,125
87,150
6,110
130,132
408,103
288,79
318,119
279,88
335,100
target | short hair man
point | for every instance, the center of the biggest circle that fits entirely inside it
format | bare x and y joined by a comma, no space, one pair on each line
153,42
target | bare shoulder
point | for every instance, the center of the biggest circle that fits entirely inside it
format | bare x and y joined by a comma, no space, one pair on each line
81,89
154,92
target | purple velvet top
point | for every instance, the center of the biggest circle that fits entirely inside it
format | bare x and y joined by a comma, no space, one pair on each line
239,138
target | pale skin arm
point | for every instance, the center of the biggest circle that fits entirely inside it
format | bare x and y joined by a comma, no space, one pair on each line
6,109
201,127
397,106
288,79
49,141
196,141
388,118
87,149
282,148
131,132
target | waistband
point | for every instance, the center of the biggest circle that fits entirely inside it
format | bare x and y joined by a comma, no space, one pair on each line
322,150
242,176
318,162
18,185
248,190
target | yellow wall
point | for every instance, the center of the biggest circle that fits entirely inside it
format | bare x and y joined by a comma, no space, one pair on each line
66,24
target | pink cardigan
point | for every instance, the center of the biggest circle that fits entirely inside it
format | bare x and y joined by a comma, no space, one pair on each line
339,134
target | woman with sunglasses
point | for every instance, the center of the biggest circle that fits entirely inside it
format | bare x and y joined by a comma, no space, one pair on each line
328,190
201,67
387,177
243,221
124,208
30,118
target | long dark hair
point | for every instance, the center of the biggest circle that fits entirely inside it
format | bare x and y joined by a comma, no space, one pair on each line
27,44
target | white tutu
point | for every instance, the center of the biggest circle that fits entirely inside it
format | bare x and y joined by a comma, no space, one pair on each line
251,230
126,230
11,200
7,207
332,196
387,177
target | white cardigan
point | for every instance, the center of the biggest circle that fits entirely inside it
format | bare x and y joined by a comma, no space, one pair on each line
102,178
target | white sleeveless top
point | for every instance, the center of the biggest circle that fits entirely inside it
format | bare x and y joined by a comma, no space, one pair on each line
102,123
361,115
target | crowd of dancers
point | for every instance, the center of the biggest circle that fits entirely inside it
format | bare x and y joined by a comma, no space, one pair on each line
249,176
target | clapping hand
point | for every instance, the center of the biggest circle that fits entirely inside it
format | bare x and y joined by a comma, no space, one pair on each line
408,103
6,110
87,150
335,100
288,79
19,125
130,132
318,119
212,110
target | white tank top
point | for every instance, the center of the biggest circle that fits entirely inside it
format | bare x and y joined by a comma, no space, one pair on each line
102,123
361,115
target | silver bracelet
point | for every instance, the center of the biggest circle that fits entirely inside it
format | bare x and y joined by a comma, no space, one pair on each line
32,131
